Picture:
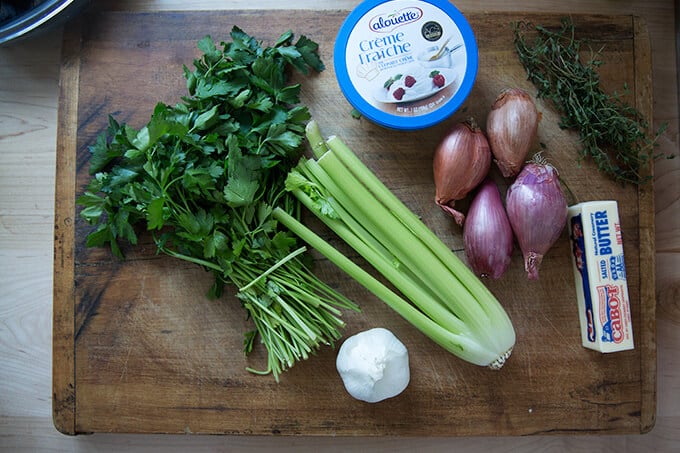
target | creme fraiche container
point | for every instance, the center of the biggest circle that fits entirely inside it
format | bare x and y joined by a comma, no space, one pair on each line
406,64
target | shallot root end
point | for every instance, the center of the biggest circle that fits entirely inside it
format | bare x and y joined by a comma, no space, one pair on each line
532,262
506,170
458,216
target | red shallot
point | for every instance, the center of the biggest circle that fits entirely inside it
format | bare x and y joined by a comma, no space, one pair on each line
461,161
537,210
511,128
487,234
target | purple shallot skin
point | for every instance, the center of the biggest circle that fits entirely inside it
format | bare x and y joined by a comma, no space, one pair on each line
537,210
487,234
460,163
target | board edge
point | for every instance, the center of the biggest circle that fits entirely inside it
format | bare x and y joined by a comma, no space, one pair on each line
646,211
63,292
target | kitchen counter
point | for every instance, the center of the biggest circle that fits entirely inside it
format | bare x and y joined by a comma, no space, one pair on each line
29,80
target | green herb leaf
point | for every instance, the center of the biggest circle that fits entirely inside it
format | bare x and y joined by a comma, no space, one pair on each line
154,217
94,206
206,119
207,46
309,51
243,180
614,134
203,177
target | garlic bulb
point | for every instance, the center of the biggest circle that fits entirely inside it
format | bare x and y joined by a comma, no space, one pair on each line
373,365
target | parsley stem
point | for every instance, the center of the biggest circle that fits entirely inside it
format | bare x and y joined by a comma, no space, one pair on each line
191,259
277,265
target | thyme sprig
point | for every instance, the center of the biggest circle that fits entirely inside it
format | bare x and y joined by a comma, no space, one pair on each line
613,133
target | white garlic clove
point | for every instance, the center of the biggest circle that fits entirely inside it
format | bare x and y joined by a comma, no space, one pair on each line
373,365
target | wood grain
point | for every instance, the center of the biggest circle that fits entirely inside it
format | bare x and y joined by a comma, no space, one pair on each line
643,90
63,392
146,360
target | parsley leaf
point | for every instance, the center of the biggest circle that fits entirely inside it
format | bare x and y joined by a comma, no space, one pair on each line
309,51
203,176
243,179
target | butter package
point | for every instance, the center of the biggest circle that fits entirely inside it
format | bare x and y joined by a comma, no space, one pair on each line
600,275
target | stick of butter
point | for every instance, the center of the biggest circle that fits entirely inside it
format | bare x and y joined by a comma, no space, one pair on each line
600,274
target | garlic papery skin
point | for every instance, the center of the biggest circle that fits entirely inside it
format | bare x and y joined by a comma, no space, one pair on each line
373,365
511,128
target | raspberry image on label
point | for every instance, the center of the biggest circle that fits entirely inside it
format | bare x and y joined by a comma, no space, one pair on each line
438,80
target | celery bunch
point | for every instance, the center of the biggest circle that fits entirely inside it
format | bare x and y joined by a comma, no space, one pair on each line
437,292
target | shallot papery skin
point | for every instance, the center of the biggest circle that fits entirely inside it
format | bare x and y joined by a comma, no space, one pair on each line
511,128
487,234
537,210
461,161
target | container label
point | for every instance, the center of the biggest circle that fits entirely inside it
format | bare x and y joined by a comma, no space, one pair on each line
385,23
611,300
406,58
581,266
600,274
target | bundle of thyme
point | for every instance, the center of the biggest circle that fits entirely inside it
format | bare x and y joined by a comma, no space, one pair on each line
614,134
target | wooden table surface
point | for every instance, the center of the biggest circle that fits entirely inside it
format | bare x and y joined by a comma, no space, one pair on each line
29,76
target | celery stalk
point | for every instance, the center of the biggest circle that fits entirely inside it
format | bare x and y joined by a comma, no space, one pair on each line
487,300
448,303
460,345
316,174
414,290
397,237
393,238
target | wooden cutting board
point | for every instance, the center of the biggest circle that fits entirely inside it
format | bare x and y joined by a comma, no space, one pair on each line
139,348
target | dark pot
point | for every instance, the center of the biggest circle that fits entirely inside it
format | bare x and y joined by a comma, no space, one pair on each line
21,23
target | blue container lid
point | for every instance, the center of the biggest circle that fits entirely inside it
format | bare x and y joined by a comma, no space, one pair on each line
406,64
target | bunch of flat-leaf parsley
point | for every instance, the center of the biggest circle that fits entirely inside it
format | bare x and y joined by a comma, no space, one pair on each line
203,177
